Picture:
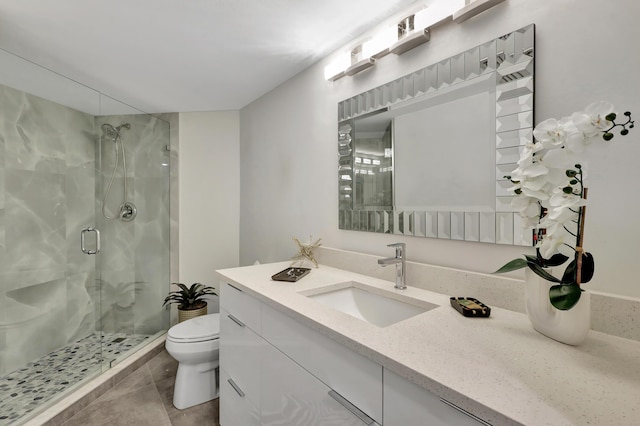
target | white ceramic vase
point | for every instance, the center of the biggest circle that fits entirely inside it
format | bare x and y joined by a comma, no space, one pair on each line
570,327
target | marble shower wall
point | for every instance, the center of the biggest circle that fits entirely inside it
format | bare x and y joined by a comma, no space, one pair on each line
47,193
135,258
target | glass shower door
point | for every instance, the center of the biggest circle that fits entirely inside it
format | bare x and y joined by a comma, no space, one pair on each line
133,265
48,295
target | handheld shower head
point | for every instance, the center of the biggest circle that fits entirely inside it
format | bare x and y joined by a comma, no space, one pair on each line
109,131
113,133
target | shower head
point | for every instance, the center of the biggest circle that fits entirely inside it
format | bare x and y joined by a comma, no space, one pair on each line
111,132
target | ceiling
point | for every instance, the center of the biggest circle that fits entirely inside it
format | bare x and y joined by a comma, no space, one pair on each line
185,55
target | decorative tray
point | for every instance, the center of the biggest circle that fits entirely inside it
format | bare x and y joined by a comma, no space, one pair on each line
470,307
291,274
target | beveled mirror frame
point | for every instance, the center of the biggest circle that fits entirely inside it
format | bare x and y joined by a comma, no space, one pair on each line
510,58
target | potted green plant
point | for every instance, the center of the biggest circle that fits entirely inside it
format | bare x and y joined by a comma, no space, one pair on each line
189,300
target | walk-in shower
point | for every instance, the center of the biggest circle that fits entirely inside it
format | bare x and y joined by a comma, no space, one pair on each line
127,210
68,311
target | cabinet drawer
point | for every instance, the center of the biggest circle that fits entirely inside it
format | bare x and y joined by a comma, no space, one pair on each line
407,404
235,409
242,306
240,350
292,396
353,376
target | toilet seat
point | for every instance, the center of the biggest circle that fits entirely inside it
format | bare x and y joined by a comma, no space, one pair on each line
198,329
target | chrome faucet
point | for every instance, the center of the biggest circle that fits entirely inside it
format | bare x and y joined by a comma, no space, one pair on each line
399,261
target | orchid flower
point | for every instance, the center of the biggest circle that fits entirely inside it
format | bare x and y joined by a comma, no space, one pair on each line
550,195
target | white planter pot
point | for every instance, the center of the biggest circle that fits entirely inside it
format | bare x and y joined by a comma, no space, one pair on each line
570,327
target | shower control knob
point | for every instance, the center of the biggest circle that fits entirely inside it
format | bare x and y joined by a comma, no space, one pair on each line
128,212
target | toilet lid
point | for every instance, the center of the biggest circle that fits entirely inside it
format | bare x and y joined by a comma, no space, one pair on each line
198,329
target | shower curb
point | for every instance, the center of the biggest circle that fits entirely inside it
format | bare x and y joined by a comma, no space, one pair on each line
70,405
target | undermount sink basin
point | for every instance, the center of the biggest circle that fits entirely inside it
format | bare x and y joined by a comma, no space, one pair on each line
373,308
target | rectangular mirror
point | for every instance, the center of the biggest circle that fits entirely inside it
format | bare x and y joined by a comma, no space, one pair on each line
426,154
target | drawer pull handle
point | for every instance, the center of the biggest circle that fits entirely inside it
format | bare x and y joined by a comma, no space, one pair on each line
236,387
352,408
236,320
235,288
463,411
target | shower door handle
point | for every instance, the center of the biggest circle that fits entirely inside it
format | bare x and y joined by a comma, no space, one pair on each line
82,240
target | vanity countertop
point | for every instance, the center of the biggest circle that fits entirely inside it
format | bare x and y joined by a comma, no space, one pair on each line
498,368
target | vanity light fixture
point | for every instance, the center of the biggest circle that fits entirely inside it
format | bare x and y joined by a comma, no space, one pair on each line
378,46
410,32
409,36
337,68
359,62
409,42
437,13
360,65
414,30
474,8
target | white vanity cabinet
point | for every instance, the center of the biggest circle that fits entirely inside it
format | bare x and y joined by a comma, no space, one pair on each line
240,358
292,396
351,375
235,408
262,384
406,404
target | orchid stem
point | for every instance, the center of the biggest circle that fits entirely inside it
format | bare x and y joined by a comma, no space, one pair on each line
579,239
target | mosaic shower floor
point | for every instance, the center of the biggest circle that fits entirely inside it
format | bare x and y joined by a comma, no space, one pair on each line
28,388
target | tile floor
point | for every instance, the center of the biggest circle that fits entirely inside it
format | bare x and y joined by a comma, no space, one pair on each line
28,388
144,398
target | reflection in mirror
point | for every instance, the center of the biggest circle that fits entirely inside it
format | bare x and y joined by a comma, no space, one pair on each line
373,163
425,154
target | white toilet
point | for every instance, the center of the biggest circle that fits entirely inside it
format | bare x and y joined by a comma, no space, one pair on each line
195,344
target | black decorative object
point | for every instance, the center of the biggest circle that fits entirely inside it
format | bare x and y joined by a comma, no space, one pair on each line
291,274
470,307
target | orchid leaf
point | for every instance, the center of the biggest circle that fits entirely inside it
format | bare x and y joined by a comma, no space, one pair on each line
541,272
564,296
588,267
555,260
514,265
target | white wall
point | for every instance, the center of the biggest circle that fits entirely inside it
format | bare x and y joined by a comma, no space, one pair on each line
209,194
585,51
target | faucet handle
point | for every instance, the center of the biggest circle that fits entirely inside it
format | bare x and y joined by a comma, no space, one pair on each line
400,245
401,248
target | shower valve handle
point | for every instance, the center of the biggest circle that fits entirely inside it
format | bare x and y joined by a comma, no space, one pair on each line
82,239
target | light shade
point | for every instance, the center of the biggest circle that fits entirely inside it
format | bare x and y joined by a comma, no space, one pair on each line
474,8
378,45
414,39
436,13
337,67
361,65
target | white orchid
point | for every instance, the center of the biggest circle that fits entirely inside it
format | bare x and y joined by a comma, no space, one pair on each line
557,240
593,121
528,208
551,197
